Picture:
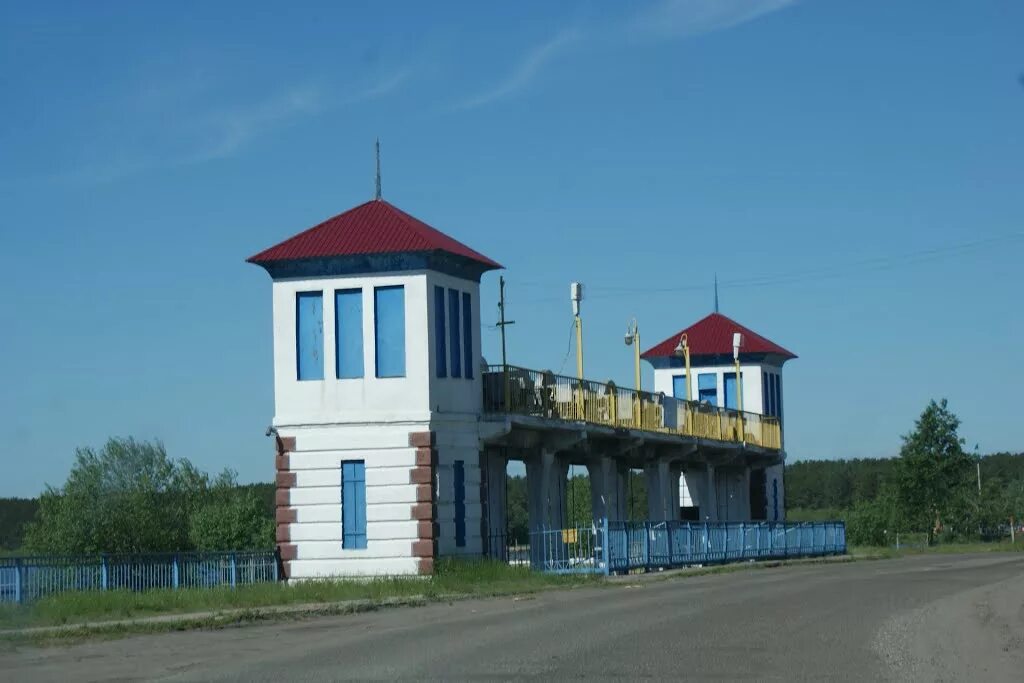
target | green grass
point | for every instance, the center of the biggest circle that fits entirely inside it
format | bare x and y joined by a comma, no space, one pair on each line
938,549
453,578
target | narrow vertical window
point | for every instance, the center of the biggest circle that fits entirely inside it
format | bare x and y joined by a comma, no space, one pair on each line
731,390
765,406
454,331
778,396
460,503
309,335
707,387
440,341
353,504
679,387
467,334
348,333
389,330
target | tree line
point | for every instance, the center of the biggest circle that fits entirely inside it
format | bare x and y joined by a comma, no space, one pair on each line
130,496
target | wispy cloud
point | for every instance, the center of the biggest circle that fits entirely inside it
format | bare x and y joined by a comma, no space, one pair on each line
680,18
525,71
665,19
174,124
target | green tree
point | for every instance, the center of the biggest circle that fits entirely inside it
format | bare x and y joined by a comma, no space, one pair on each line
126,497
932,474
232,519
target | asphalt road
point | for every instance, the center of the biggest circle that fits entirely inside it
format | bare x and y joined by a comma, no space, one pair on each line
923,618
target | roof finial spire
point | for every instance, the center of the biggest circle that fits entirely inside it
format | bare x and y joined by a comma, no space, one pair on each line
377,195
716,292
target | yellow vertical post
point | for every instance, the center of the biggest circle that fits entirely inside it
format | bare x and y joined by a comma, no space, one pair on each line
683,348
579,347
739,398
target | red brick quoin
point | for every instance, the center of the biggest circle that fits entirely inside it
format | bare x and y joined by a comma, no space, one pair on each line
424,510
284,514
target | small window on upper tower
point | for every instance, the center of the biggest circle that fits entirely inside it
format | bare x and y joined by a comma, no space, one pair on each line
389,330
309,335
348,333
454,332
707,387
440,341
467,333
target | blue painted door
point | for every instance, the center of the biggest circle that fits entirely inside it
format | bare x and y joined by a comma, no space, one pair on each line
353,504
459,470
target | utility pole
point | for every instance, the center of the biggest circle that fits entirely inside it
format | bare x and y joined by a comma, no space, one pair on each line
502,324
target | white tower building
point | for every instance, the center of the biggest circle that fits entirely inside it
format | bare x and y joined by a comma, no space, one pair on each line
377,394
741,494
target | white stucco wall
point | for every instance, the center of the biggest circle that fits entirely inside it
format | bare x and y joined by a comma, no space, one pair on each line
360,400
752,382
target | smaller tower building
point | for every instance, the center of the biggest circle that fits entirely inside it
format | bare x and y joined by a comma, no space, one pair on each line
741,494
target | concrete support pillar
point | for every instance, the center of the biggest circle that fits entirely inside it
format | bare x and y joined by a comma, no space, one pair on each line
607,489
494,466
711,486
662,490
545,478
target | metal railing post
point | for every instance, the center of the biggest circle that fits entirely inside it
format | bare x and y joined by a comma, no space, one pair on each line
18,596
605,546
104,572
232,570
174,572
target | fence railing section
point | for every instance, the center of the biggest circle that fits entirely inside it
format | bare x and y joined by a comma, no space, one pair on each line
616,547
511,389
24,579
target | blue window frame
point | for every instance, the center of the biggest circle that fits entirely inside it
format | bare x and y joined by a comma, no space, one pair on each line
679,386
454,332
765,408
467,333
778,396
707,387
440,341
459,470
729,389
389,330
353,504
348,333
309,335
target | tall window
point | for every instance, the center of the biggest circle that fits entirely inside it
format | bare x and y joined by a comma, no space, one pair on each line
348,333
309,335
459,470
707,387
778,396
679,386
454,332
467,333
440,347
353,504
731,390
389,330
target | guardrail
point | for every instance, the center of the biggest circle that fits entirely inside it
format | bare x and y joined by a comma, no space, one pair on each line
24,579
618,547
512,389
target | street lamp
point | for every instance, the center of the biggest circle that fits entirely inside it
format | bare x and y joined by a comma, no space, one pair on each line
683,349
737,342
633,339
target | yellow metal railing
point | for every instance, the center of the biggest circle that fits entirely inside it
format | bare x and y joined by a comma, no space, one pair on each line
511,389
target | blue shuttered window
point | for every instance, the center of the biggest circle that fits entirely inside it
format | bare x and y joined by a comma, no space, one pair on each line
766,408
729,386
454,331
353,504
707,387
467,333
309,335
679,386
778,396
440,347
348,333
459,470
389,330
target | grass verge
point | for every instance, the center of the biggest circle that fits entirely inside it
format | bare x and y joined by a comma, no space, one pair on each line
453,578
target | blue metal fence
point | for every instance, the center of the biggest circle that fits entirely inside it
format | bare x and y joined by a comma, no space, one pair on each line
23,579
615,547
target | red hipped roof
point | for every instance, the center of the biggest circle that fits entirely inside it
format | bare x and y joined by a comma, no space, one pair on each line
375,227
712,336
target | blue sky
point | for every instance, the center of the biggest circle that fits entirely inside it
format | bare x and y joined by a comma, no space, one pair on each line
852,171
